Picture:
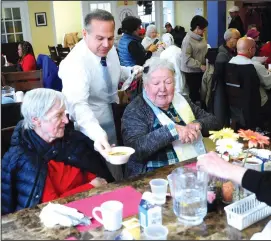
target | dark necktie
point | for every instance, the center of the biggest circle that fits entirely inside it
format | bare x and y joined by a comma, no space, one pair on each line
106,75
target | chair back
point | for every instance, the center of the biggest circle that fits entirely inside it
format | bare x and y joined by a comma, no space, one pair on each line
10,114
62,52
243,94
118,110
54,54
23,81
6,134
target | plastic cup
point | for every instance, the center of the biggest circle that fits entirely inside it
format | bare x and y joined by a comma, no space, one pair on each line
159,190
170,182
156,232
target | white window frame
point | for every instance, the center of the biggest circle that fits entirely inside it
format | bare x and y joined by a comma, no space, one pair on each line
24,17
149,18
85,6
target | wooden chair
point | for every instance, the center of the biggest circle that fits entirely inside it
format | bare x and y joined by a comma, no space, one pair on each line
62,52
23,81
54,54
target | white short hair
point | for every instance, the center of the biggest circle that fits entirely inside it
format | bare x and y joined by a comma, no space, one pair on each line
154,64
149,29
37,103
234,9
229,32
168,39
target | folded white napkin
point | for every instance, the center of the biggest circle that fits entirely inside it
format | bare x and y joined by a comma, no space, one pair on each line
57,214
264,235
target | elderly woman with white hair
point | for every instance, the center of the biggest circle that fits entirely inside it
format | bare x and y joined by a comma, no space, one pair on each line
163,126
172,53
150,38
47,161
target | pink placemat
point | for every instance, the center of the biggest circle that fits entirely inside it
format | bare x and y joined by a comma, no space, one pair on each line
127,195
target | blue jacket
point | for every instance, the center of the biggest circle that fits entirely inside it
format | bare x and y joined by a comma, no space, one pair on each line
49,72
125,57
24,166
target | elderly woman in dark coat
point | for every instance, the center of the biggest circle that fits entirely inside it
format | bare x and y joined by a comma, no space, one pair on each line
46,160
162,126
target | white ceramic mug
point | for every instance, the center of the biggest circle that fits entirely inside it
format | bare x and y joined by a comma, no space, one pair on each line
111,215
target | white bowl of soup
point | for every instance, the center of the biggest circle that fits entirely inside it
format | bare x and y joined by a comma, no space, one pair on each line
120,155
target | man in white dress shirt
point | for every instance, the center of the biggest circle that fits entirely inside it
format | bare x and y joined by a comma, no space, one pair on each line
90,75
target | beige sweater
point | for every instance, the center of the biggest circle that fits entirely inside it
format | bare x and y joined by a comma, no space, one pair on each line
194,49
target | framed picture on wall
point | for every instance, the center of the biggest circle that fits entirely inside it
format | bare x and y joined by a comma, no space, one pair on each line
41,19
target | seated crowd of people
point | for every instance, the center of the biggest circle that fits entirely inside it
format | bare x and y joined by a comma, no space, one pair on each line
49,158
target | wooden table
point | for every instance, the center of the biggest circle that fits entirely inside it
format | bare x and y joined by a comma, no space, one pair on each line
25,224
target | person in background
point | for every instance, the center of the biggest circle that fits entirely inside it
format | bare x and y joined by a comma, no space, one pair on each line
150,37
27,59
169,28
236,21
246,48
131,50
142,33
47,161
255,35
228,49
117,38
90,76
143,127
217,103
254,181
194,49
252,26
266,51
179,34
206,85
172,53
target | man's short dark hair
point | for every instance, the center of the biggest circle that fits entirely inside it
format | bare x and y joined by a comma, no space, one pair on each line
198,21
130,24
168,25
97,14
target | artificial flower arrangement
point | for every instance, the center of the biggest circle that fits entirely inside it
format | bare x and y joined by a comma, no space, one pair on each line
231,146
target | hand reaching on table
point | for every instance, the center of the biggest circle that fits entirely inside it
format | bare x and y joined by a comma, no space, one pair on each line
98,182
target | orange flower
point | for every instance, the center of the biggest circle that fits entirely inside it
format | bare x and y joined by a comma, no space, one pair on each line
254,138
262,140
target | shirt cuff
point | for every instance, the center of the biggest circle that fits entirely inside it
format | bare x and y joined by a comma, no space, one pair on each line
251,180
173,131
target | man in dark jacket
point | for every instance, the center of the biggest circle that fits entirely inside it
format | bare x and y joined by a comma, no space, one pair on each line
44,158
217,102
236,21
228,49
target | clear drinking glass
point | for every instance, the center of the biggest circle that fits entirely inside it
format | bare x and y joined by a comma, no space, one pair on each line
190,195
8,91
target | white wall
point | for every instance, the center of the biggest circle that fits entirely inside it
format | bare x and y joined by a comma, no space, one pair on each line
185,11
68,15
